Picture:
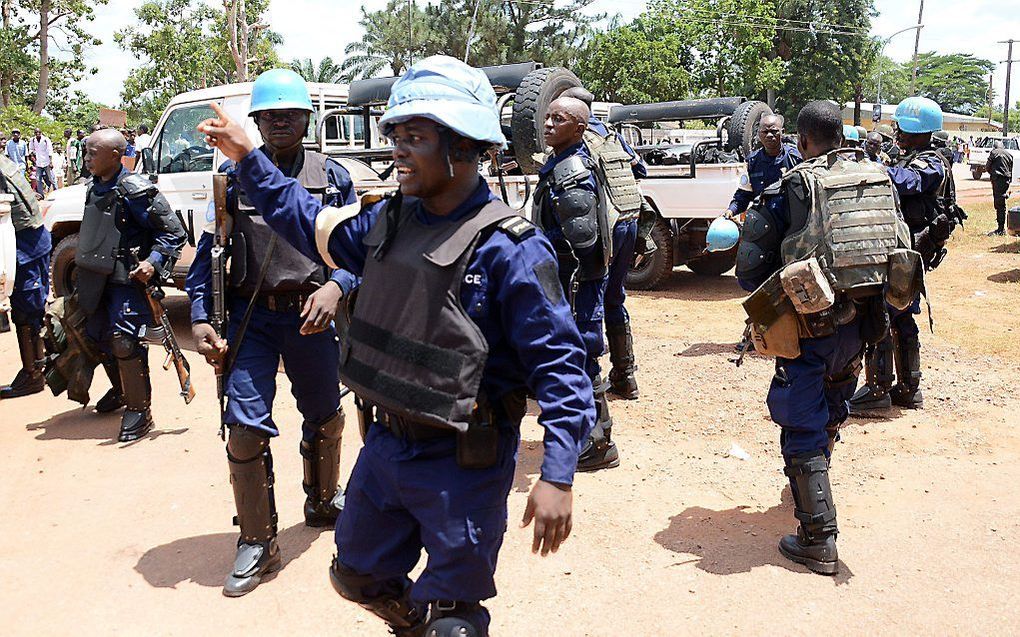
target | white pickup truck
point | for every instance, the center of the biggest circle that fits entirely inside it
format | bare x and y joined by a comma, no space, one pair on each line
687,197
981,148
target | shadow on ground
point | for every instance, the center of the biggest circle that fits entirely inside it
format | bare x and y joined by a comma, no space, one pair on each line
1009,276
736,540
1007,248
711,349
86,424
684,284
529,465
206,559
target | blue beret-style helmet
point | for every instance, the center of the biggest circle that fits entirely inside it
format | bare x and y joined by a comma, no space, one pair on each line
722,235
279,89
850,134
918,115
448,92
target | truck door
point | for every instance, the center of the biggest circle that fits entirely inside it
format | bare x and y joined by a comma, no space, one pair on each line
184,167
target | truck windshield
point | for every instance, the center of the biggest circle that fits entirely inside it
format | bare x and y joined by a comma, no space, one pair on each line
180,147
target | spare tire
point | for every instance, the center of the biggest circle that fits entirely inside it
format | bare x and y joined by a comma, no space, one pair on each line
531,100
742,127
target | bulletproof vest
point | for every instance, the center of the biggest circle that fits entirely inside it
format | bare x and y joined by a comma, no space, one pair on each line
289,271
613,171
25,212
920,210
412,349
852,223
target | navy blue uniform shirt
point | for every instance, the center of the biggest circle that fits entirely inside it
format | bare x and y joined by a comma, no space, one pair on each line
762,170
339,192
532,339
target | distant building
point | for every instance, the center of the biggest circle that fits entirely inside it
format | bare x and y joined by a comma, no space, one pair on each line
954,122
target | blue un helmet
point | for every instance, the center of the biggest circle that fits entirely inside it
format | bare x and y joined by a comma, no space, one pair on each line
279,89
918,115
450,93
722,235
850,134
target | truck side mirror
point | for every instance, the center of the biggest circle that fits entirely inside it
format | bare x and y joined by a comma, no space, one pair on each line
148,162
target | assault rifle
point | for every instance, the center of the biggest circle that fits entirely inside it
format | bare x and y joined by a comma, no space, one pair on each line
219,251
163,333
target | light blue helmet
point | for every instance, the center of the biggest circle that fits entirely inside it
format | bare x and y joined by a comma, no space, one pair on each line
722,235
450,93
850,134
279,89
918,115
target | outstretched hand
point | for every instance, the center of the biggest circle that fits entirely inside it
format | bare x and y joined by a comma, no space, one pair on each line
551,507
226,134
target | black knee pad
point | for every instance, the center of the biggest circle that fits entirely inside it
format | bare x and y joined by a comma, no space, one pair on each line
350,584
392,604
245,444
447,621
123,346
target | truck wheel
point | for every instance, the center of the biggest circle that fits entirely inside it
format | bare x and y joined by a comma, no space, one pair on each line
976,173
742,127
648,272
62,269
714,263
531,100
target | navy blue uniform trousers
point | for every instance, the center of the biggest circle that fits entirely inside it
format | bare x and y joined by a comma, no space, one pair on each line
624,238
803,400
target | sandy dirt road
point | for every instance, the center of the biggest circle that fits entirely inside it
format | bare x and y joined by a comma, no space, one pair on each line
102,538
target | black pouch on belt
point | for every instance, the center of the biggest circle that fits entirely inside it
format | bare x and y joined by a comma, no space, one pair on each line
478,447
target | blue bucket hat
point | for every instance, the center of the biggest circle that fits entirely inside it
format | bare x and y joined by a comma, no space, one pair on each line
450,93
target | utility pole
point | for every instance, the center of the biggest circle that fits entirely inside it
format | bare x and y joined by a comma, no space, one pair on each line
917,45
1009,71
991,98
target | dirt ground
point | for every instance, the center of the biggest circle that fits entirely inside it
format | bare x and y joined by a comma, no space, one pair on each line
113,539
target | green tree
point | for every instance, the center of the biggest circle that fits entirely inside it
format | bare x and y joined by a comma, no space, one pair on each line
828,48
242,44
731,43
25,119
394,38
895,81
958,81
327,72
77,111
635,64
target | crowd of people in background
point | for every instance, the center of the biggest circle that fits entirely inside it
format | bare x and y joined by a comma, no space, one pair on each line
49,166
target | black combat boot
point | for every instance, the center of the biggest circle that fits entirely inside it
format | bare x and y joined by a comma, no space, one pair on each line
324,499
113,399
907,392
134,381
30,379
600,451
814,545
621,354
872,400
251,475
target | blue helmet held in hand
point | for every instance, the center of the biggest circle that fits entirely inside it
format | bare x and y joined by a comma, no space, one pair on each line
722,235
918,115
450,93
279,89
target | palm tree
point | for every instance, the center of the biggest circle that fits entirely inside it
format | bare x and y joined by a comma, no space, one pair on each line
394,37
328,71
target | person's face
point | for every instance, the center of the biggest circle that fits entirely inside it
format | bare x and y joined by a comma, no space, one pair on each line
874,145
101,160
770,134
16,136
561,128
909,141
38,134
283,128
419,157
81,135
67,134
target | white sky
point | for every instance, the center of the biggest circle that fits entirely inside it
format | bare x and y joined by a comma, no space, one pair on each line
317,28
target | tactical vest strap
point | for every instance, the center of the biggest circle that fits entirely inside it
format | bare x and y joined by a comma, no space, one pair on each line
612,164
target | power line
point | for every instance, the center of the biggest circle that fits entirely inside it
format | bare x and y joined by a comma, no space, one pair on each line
810,23
758,25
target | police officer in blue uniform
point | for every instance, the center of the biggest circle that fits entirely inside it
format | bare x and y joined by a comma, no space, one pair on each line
31,280
571,207
459,314
808,393
920,177
291,319
622,381
129,234
766,165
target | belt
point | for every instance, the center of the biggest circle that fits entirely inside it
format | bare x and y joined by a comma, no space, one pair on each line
286,302
408,429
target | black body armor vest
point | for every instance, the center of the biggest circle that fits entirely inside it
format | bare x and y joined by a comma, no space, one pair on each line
289,272
412,349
